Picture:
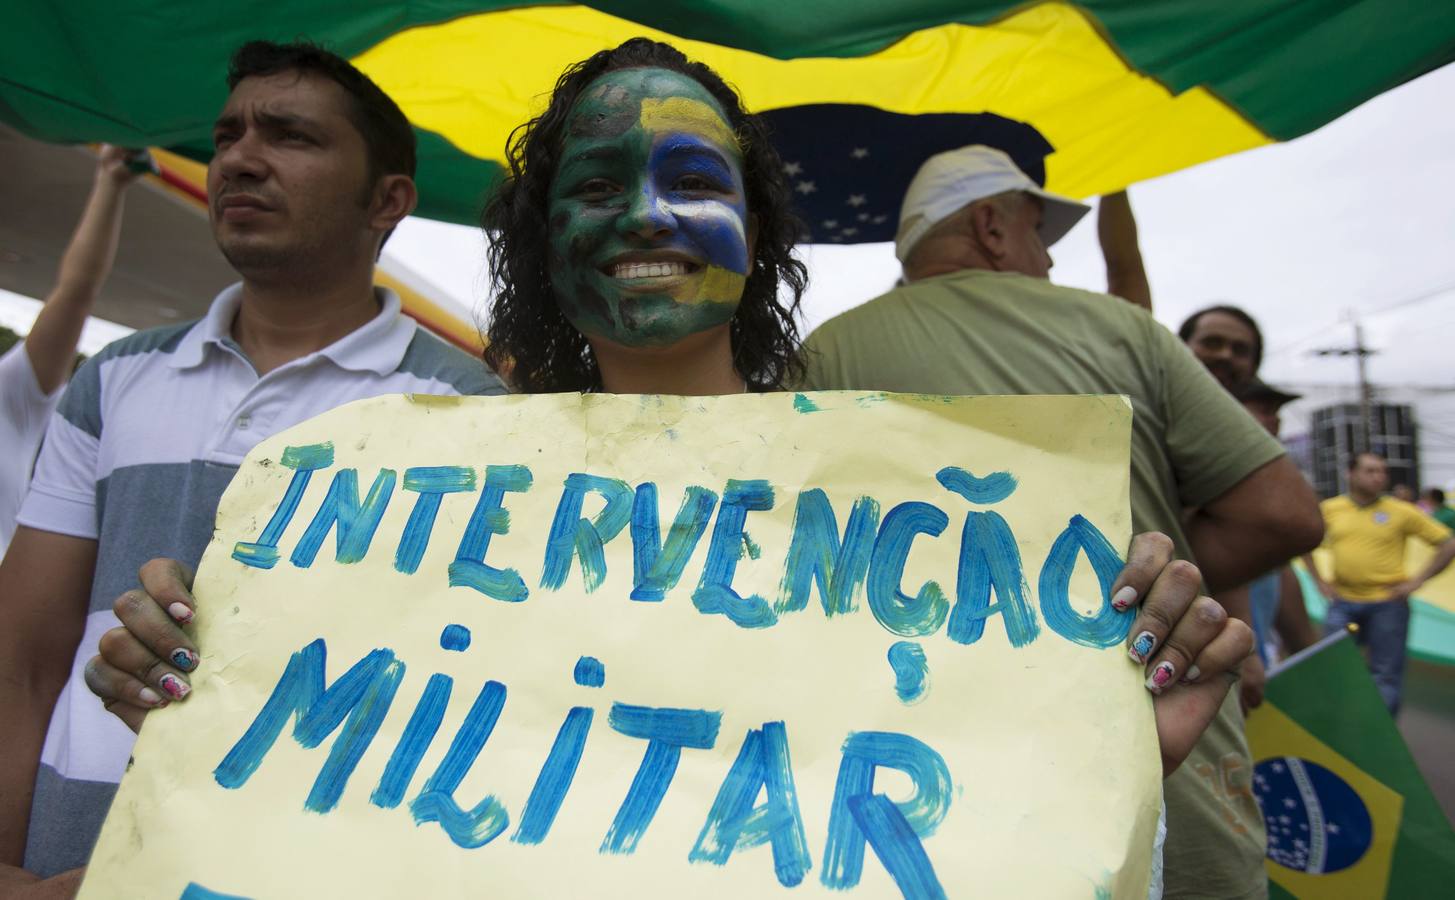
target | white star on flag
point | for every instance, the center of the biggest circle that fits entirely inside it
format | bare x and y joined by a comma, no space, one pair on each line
792,168
859,152
805,187
831,223
857,200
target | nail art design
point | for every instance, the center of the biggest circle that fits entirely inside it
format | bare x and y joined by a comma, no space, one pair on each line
1124,598
184,659
1143,646
180,612
175,686
151,697
1161,677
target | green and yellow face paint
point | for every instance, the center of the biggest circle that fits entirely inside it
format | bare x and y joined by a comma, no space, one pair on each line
648,213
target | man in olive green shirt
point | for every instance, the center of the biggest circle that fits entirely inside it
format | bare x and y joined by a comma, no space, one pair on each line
978,315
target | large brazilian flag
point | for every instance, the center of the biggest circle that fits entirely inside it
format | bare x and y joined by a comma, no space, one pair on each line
1347,811
1088,97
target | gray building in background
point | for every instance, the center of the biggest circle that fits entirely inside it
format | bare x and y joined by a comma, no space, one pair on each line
1336,433
1430,421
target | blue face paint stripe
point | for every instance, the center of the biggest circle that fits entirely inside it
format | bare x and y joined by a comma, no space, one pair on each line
1106,627
721,238
490,518
901,614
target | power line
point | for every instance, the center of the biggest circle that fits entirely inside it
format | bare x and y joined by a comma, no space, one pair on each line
1390,307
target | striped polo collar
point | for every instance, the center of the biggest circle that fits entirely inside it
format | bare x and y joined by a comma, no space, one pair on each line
377,347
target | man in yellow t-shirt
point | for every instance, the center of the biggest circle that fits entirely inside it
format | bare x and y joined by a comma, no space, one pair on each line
1366,532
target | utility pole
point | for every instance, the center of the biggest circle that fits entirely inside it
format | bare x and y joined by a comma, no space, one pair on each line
1360,352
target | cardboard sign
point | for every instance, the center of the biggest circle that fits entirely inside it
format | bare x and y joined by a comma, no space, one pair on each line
567,645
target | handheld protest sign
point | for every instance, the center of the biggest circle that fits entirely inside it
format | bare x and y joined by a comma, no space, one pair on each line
614,645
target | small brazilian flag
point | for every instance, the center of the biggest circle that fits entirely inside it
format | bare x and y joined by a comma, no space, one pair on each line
1348,814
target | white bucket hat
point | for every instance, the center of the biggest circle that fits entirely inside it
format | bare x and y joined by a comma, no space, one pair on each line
950,181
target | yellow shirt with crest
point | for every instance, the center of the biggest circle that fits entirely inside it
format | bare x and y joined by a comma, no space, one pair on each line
1368,543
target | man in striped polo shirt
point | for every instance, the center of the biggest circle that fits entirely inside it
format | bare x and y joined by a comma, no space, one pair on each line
313,167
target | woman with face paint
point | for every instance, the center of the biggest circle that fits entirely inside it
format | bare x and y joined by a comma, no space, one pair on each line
641,245
644,237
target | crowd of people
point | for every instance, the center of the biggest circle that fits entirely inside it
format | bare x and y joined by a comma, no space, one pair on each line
642,242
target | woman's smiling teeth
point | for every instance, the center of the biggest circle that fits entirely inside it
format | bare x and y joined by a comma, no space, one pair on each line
631,270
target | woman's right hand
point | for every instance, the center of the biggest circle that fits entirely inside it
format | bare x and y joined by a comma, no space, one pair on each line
143,665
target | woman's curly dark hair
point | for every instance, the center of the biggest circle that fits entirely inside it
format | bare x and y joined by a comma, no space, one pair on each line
529,337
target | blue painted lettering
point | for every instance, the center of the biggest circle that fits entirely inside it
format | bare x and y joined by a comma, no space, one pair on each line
431,483
303,461
572,536
483,823
734,823
490,518
715,592
666,732
863,754
657,566
815,554
1107,627
361,695
353,523
925,612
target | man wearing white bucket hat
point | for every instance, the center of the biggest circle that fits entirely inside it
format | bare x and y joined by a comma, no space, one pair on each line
977,314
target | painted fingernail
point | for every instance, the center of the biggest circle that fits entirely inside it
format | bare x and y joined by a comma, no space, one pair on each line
175,686
184,659
1143,646
1161,677
1124,598
151,697
180,612
1192,674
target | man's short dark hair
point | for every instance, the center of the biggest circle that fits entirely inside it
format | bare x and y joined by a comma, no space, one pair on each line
1355,457
388,138
1436,496
1190,325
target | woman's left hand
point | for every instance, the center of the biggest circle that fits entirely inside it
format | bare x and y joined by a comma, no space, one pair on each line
1187,643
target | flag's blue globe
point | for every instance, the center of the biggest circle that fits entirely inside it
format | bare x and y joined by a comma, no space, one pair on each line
1316,822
